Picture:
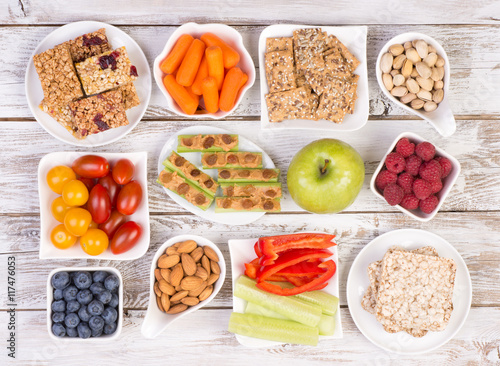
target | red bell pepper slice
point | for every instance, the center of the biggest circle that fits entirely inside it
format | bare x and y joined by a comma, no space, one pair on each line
290,258
256,249
303,269
252,268
314,284
270,246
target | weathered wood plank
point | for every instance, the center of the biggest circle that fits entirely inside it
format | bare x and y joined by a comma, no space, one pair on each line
473,53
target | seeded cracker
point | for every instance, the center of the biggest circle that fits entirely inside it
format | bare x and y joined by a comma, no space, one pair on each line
279,71
291,104
332,44
279,44
308,45
337,65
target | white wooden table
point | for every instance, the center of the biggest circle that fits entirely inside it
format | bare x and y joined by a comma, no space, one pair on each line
469,218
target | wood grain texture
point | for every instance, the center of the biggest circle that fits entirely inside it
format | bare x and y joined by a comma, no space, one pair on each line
473,53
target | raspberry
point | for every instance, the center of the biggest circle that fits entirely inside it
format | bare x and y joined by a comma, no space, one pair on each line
429,204
445,165
405,147
405,181
410,202
384,178
425,150
395,162
421,189
393,194
436,186
413,163
430,171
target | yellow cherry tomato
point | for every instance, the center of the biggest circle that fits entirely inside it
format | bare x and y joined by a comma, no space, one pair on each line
77,221
93,225
58,176
94,242
62,238
59,209
75,193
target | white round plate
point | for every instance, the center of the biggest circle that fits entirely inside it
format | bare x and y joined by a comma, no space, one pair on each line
117,38
229,218
358,282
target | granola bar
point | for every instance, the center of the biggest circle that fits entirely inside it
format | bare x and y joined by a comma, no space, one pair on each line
129,95
57,75
106,71
279,71
89,45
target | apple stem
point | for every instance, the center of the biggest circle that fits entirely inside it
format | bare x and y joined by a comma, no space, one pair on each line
323,170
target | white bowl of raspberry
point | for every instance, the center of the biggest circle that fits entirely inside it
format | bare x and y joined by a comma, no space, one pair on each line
415,176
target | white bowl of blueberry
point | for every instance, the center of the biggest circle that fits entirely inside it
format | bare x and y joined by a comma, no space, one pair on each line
85,303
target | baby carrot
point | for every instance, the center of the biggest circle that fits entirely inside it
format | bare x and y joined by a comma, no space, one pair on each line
210,94
215,62
200,75
231,57
190,64
195,96
244,80
180,95
230,89
174,58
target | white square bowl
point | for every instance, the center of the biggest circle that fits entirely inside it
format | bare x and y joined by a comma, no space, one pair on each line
229,35
354,38
48,222
50,297
448,182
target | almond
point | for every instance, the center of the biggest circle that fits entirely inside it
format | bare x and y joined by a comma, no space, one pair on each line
179,295
205,262
165,302
210,253
176,275
168,261
190,283
199,290
156,288
178,288
158,302
202,273
176,245
158,274
171,251
212,279
214,266
188,264
197,254
166,287
190,301
179,308
206,293
165,274
187,246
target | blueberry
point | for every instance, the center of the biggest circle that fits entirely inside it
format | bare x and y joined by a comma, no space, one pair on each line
104,297
114,301
95,307
96,322
97,332
97,288
84,330
69,293
59,305
58,294
72,332
58,330
109,315
112,282
72,306
60,280
58,317
84,297
109,328
100,276
83,280
71,320
84,314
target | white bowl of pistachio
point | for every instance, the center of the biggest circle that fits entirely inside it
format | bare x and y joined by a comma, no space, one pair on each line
413,71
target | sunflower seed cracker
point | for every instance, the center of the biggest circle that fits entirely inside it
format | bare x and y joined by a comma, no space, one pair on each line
279,44
279,71
290,104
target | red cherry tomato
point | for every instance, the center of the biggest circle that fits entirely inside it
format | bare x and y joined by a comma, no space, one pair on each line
126,237
99,204
115,220
123,171
89,183
129,198
112,188
91,166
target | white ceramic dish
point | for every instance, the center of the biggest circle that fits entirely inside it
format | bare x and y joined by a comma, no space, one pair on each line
157,321
50,297
232,218
48,222
354,38
242,252
358,282
448,182
442,118
228,34
117,38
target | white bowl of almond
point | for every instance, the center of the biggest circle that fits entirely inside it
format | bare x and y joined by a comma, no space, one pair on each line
413,71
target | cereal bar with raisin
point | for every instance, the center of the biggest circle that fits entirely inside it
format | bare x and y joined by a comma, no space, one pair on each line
89,45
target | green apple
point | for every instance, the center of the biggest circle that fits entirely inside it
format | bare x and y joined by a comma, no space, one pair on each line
325,176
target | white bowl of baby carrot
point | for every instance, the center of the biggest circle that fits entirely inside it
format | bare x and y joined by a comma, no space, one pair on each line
204,70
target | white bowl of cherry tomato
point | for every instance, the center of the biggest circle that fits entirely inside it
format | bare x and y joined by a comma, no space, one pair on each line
93,205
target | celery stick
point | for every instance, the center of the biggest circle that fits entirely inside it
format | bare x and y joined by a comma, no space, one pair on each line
299,311
278,330
260,310
326,325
